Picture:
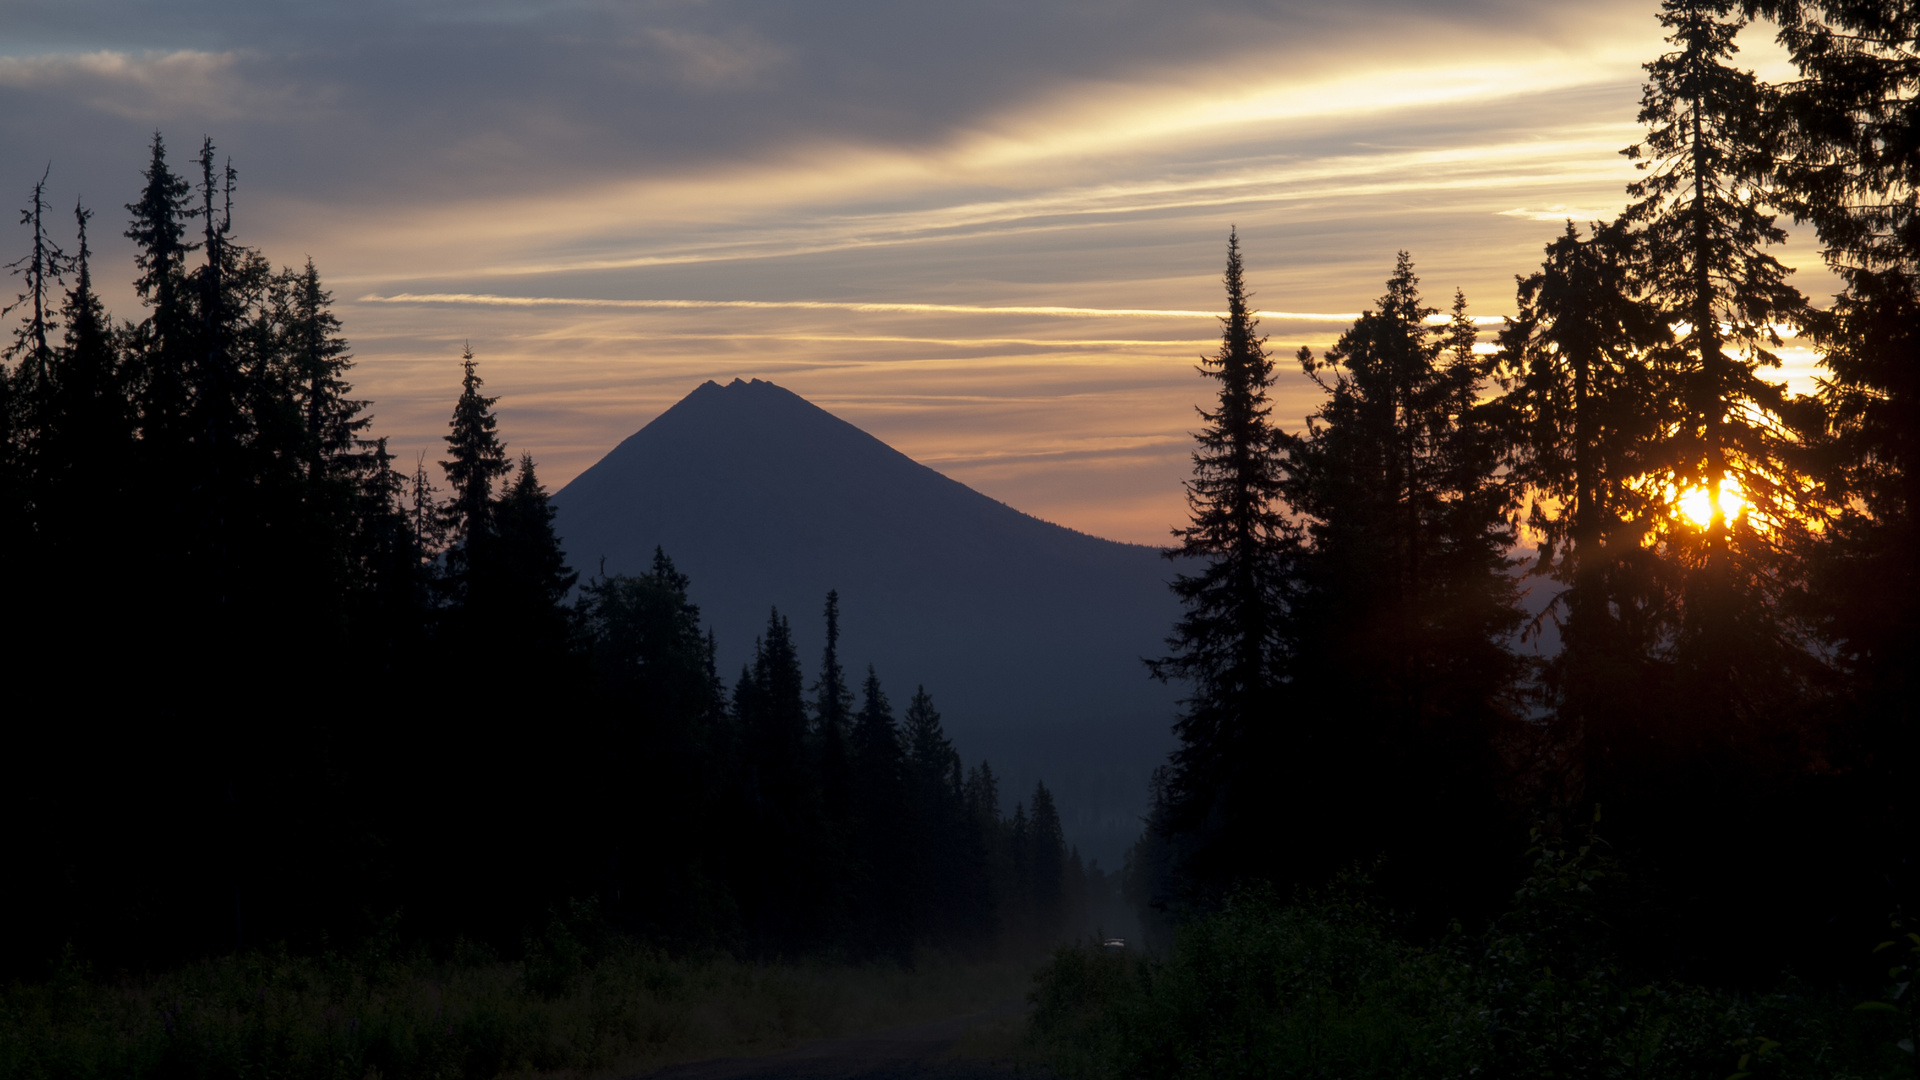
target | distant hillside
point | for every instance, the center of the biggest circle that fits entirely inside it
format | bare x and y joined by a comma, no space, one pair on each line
1028,635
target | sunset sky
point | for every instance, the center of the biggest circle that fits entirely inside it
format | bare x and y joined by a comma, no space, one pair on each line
988,232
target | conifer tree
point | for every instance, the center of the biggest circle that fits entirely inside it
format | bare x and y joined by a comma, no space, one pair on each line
161,342
476,460
1703,216
1583,413
781,815
25,373
832,715
880,846
1847,166
83,438
320,359
1017,898
941,861
41,270
529,575
426,517
217,395
387,579
1048,876
834,869
1405,606
1228,647
658,788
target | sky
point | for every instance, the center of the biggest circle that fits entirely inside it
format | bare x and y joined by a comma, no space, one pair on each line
990,232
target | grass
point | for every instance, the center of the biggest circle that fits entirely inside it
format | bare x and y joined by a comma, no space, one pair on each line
281,1016
1323,986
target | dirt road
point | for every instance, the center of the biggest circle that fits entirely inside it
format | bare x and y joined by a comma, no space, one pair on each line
919,1052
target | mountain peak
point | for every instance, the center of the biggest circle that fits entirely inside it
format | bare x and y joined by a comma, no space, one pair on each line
1016,626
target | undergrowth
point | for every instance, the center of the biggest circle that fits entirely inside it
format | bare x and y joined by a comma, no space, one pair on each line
1324,987
563,1012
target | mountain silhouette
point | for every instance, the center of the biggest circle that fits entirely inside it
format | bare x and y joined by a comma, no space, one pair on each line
1027,634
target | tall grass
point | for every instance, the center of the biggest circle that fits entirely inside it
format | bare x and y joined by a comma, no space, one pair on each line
280,1016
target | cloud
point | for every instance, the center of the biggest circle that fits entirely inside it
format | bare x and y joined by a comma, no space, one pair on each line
831,305
1562,212
991,232
147,86
706,61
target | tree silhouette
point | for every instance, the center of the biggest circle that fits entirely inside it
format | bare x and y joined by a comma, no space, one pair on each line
1405,605
477,459
1228,646
1701,209
1847,166
1583,410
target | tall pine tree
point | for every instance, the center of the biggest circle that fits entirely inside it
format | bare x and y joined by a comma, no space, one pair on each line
1228,647
1582,409
1848,166
476,461
1406,606
1730,450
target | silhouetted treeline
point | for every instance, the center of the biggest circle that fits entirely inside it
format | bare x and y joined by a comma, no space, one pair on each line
1722,573
265,687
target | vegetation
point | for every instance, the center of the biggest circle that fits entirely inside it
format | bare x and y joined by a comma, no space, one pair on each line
346,713
1728,570
572,1008
1329,985
322,696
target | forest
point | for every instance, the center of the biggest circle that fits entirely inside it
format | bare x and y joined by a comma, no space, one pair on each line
289,694
1396,841
294,703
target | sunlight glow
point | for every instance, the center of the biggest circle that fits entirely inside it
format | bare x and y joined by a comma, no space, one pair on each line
1698,504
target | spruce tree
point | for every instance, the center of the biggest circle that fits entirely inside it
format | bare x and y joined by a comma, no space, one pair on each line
832,715
777,849
320,359
426,517
1048,877
83,437
1405,605
25,385
939,857
217,395
1582,410
880,837
25,375
161,341
1847,166
1703,214
41,270
476,461
1017,896
834,870
529,577
1228,647
658,788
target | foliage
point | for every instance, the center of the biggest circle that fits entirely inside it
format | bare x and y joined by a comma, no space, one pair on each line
575,1008
1328,985
1229,645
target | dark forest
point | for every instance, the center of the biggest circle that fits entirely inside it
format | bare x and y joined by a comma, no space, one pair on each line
304,694
274,695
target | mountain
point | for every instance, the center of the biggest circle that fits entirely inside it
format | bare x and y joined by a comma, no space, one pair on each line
1027,634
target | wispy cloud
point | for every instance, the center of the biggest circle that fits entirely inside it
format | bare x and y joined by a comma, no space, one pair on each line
1561,212
490,300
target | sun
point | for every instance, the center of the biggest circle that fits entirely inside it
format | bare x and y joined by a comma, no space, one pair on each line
1696,504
